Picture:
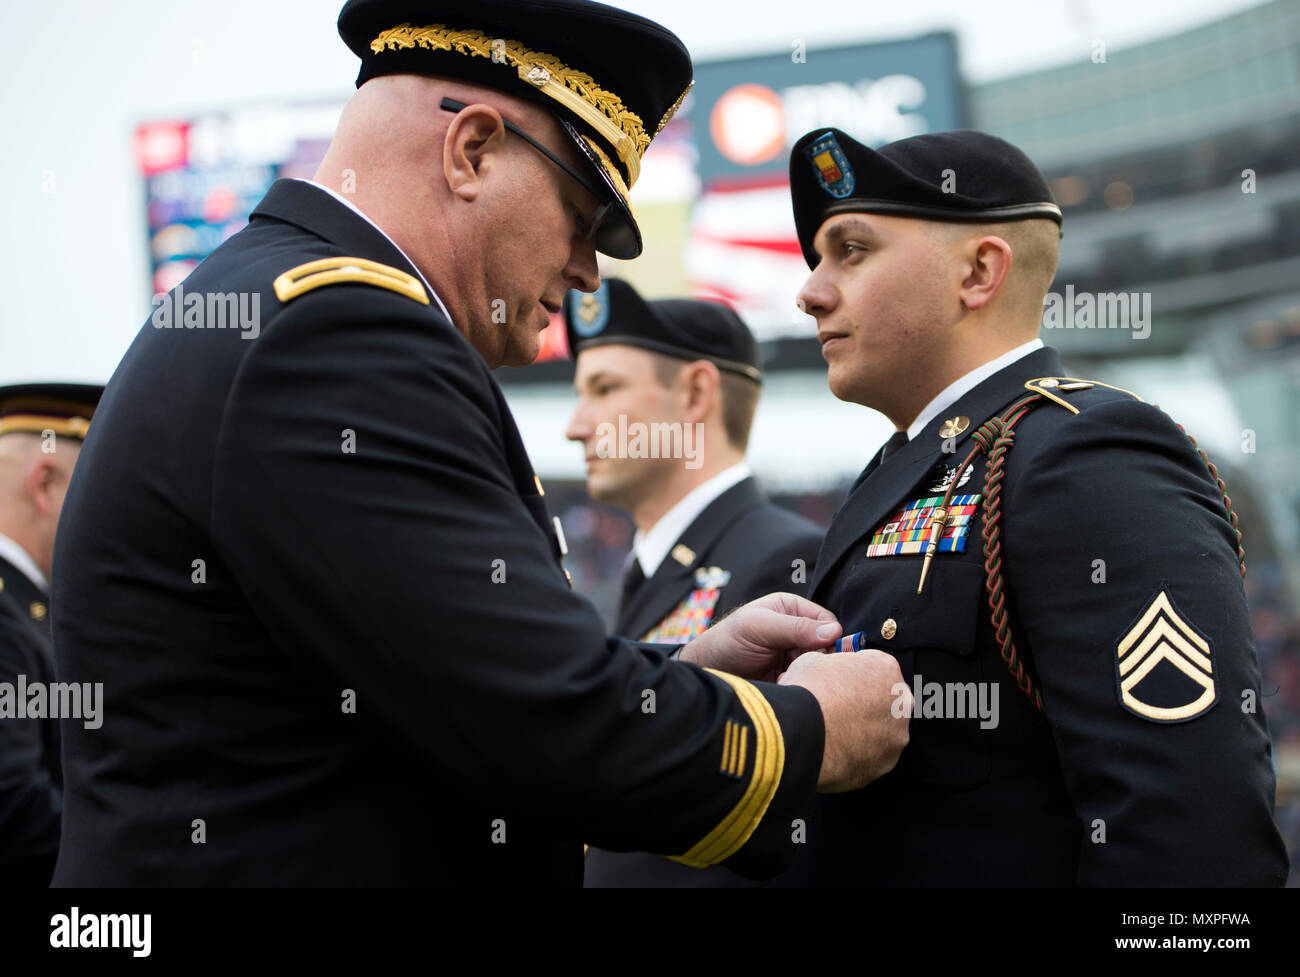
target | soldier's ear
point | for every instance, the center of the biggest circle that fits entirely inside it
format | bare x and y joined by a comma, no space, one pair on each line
703,386
475,138
41,483
988,262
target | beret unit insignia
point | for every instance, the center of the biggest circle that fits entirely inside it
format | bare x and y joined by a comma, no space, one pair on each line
831,166
593,312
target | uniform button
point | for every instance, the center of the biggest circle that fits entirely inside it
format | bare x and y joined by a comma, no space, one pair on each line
889,628
37,610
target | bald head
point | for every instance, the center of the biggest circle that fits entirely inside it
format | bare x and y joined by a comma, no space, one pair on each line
486,218
34,474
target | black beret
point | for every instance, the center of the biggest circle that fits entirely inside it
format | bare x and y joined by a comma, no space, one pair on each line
611,78
955,176
689,329
64,408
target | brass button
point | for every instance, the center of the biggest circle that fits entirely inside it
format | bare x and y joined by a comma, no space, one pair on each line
37,610
889,628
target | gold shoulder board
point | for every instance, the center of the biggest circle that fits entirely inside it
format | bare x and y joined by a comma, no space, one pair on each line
333,271
1051,387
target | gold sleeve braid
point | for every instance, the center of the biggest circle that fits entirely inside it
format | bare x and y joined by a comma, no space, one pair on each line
731,833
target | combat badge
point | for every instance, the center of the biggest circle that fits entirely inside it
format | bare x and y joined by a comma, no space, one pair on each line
711,578
1164,667
944,475
831,166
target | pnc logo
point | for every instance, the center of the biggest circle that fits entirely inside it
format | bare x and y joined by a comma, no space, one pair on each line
753,124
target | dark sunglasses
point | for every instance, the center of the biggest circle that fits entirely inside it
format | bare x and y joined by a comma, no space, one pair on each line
451,105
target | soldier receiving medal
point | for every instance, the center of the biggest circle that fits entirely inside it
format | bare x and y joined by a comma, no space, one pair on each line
1047,543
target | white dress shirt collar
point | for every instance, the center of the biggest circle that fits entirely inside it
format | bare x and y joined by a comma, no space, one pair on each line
958,388
360,213
651,548
23,561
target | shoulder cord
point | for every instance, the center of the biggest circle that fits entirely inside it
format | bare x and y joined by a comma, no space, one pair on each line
1223,492
994,438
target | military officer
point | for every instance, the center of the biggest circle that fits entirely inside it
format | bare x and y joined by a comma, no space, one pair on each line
313,566
41,427
1052,561
684,376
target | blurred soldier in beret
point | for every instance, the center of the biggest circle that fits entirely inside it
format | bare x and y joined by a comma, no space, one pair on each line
1052,562
683,375
314,559
41,427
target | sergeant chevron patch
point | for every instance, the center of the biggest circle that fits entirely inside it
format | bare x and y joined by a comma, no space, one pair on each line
1164,667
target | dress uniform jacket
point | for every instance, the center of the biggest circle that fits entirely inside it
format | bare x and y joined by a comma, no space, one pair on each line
30,771
740,548
752,543
315,573
1119,564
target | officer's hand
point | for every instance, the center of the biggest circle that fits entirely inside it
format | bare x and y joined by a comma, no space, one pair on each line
865,705
759,640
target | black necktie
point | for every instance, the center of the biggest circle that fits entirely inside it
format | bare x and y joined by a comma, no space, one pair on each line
633,578
895,442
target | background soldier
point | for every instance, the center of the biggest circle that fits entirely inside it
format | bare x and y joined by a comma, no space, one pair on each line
1097,720
41,427
707,539
318,568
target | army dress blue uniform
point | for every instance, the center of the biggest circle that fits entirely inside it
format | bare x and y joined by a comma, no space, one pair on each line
740,548
717,547
31,770
1118,560
1057,569
313,566
31,794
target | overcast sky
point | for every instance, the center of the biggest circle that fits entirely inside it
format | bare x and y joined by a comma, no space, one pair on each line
81,75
